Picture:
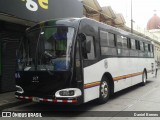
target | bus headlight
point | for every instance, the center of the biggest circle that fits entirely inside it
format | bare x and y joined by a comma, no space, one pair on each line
19,89
68,93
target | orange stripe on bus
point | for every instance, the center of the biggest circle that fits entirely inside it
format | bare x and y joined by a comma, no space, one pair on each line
88,85
91,84
127,76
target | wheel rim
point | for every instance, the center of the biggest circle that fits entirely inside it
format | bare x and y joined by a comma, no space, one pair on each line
104,89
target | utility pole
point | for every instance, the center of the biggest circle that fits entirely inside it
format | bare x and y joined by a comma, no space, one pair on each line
131,19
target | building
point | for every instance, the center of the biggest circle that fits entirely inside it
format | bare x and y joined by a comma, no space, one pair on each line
153,26
93,10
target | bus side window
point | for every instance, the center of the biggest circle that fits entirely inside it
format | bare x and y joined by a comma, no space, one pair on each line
90,55
119,44
137,45
146,50
146,47
141,46
107,43
152,50
133,44
141,52
129,43
119,41
111,40
125,42
103,38
149,50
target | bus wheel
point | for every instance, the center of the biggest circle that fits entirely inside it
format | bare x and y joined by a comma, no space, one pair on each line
156,73
104,91
144,78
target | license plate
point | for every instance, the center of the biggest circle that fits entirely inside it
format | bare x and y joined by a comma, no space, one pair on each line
35,99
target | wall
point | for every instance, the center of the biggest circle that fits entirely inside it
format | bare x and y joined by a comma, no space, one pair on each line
40,10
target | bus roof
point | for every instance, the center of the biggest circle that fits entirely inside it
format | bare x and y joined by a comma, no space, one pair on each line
74,22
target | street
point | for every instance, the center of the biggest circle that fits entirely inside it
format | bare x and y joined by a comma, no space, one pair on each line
136,98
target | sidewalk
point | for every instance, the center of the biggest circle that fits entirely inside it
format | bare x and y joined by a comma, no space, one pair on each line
8,100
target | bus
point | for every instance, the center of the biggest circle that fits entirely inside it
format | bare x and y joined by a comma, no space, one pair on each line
76,60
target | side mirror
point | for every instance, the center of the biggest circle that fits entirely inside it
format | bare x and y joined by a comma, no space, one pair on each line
86,43
82,36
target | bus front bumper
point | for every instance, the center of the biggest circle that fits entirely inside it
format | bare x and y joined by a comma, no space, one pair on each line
40,99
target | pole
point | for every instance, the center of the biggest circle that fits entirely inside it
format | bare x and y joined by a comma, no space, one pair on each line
131,19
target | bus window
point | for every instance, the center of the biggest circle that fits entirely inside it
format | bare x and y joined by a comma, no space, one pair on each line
149,50
152,51
146,47
107,39
149,47
141,46
125,42
133,44
129,43
119,41
103,38
91,54
137,45
111,39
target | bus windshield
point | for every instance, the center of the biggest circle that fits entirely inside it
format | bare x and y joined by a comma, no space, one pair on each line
47,48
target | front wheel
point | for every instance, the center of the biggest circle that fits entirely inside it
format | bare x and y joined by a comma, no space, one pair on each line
104,91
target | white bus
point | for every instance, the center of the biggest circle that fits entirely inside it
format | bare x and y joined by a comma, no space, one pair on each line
73,61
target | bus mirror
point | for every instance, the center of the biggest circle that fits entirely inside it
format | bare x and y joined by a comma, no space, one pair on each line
82,36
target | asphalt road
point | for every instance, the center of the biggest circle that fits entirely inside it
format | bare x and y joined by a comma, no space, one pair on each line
145,99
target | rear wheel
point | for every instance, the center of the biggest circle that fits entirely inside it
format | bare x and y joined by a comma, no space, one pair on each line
156,73
104,91
144,78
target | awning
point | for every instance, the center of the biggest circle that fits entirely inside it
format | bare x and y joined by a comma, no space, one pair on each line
119,20
108,12
91,6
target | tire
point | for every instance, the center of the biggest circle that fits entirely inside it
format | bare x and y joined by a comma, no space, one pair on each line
156,73
144,79
104,91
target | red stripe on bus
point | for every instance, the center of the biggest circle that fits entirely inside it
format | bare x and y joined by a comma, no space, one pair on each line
48,100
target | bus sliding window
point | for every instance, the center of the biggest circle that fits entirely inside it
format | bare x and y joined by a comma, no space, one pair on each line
88,55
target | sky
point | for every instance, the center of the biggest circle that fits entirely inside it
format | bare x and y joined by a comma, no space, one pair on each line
142,10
